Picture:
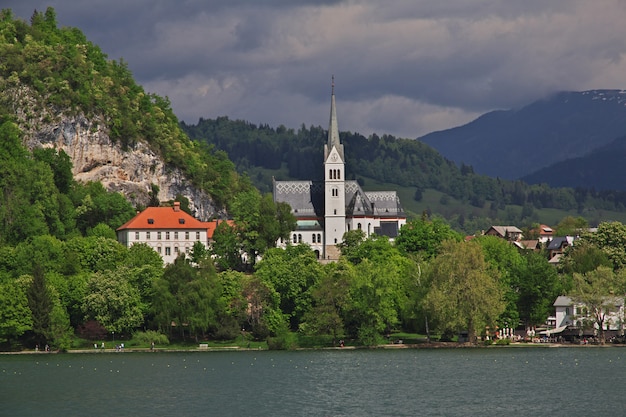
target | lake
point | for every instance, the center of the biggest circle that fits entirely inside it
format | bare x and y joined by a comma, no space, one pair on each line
403,382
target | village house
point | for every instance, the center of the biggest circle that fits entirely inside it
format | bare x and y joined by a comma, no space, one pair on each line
168,230
510,233
572,315
327,209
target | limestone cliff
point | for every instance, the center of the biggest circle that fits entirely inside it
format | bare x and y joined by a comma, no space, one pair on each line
95,157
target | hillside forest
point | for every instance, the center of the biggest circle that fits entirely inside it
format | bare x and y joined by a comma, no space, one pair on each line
66,281
468,201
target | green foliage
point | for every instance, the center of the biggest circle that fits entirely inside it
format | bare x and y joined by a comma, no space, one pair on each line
113,302
290,273
40,303
15,315
465,292
611,239
425,236
148,337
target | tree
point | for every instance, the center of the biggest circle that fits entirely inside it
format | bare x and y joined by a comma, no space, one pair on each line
597,291
506,259
225,248
290,273
260,222
584,257
377,295
329,301
40,303
425,236
611,239
538,286
571,226
465,293
113,302
15,315
186,298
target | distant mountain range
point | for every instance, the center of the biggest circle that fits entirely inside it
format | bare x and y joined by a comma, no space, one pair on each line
601,169
515,144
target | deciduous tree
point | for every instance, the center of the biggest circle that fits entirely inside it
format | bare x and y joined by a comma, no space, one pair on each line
465,292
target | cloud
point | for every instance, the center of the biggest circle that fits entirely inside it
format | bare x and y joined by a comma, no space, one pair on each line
405,68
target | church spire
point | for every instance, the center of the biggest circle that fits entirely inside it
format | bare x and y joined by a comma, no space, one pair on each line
333,129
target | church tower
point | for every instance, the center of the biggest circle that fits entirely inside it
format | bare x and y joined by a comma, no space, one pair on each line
334,185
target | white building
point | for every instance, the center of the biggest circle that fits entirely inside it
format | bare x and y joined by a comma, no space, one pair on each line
326,209
168,230
576,315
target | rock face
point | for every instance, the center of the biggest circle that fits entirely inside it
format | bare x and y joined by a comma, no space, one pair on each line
130,171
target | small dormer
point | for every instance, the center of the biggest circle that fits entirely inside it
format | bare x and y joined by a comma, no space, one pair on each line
150,221
181,221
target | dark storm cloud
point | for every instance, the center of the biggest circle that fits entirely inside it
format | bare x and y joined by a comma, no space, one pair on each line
404,67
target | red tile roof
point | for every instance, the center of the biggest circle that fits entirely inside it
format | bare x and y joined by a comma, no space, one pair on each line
164,218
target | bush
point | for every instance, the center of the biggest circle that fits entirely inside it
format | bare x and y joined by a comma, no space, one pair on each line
146,338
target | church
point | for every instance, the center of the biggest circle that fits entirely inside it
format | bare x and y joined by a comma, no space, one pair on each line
326,209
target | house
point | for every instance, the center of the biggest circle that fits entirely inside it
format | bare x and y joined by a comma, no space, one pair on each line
544,233
168,230
557,245
576,315
327,209
510,233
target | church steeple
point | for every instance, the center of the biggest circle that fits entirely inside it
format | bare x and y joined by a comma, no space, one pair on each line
333,128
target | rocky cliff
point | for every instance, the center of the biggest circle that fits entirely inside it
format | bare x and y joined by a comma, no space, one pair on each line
95,157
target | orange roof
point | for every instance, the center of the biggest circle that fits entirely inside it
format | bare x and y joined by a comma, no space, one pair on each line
213,226
164,218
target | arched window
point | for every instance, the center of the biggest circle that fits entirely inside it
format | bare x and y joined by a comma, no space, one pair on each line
299,238
319,238
295,238
338,174
330,174
313,238
358,226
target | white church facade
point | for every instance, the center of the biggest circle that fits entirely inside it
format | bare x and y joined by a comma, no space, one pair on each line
327,209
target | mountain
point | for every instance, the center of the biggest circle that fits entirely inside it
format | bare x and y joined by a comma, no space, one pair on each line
514,143
601,169
62,92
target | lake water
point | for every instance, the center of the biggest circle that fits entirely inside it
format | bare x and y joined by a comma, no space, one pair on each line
404,382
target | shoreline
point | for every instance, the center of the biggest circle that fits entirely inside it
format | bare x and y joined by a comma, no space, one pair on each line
431,345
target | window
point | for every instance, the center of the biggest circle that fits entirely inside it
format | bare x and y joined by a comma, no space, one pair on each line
313,238
187,249
167,235
567,311
197,235
319,238
299,238
175,235
176,250
295,239
159,249
136,235
358,226
186,235
168,251
159,235
147,235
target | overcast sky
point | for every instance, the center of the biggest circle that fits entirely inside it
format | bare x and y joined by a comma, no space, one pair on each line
402,67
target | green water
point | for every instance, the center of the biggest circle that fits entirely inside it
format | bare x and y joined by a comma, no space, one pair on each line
451,382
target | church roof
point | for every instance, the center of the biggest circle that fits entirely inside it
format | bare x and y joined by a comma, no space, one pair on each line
306,199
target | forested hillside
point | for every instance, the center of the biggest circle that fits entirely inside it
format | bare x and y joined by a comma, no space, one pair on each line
465,197
47,73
